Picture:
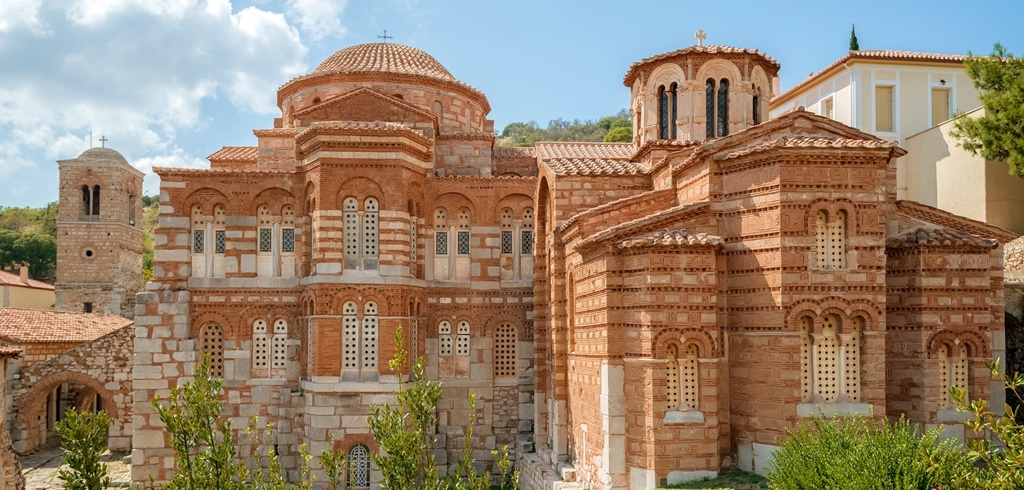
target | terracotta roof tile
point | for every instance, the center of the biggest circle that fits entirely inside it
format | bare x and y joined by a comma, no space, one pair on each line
913,213
513,152
235,154
709,49
671,238
871,55
938,237
592,166
201,171
8,350
808,142
659,219
547,150
384,58
12,279
21,326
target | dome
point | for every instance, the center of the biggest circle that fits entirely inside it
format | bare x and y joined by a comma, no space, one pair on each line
102,154
384,58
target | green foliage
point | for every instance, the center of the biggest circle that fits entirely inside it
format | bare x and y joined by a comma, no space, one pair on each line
30,235
529,133
266,472
333,461
619,135
84,438
999,134
854,45
1001,451
860,453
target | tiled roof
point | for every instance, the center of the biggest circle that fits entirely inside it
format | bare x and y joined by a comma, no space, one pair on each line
21,326
912,212
654,221
513,152
235,154
710,49
362,126
872,55
102,154
809,142
670,238
384,58
547,150
8,350
592,166
13,279
938,237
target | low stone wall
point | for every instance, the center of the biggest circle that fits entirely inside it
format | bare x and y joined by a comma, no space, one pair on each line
536,472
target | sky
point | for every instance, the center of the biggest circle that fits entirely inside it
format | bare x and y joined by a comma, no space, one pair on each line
169,82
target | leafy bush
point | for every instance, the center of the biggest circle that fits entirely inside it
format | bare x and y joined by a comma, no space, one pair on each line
84,438
860,453
1000,454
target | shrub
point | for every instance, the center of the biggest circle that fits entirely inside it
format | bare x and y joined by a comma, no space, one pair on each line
860,453
84,438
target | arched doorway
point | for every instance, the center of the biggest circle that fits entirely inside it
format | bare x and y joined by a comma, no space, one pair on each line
43,405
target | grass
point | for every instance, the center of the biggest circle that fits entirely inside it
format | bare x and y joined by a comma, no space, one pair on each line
728,480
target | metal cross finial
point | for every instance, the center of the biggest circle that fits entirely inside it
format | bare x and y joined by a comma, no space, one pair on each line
385,37
103,141
700,37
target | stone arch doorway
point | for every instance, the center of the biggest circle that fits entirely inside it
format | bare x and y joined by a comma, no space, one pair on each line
43,405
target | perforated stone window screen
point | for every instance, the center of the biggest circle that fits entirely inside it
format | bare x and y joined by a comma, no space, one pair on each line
821,236
463,243
220,241
837,241
211,343
279,345
851,361
370,228
198,241
463,219
528,218
359,466
672,377
369,344
688,379
350,340
440,219
444,338
351,227
441,242
827,361
260,345
944,372
527,242
288,240
462,339
266,240
806,350
505,350
960,368
506,242
506,217
412,239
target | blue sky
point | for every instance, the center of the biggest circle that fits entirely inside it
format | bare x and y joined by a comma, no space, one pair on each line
171,81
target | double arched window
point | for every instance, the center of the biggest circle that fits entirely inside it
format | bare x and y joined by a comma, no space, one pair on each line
448,263
269,348
275,241
90,201
716,100
361,233
830,231
517,241
359,339
682,378
668,111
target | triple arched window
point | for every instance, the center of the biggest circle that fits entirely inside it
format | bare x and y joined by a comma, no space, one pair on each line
716,103
668,111
362,227
359,339
830,359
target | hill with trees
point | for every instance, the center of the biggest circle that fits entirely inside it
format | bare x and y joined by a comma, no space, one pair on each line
616,128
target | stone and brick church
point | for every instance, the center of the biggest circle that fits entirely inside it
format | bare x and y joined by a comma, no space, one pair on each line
650,312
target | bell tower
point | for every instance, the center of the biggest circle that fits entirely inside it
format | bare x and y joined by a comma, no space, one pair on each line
99,234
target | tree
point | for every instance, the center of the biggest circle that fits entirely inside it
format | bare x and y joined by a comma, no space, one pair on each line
854,45
40,251
619,135
999,134
84,438
529,133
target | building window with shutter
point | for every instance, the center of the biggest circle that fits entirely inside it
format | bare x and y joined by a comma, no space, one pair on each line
940,106
884,108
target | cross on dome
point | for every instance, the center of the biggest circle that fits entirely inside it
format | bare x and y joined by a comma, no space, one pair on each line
385,37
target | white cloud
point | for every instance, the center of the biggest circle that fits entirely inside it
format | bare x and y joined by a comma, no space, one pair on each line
318,18
140,72
178,158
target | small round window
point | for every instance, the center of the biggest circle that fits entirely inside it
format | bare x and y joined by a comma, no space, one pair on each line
88,253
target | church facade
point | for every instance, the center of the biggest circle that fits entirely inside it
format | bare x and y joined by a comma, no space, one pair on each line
650,312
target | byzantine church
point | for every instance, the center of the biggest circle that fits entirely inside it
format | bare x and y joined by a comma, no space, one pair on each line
627,314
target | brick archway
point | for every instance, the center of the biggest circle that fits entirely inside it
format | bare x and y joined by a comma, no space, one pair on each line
28,424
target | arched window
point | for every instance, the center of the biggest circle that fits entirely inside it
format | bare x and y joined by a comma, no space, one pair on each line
463,227
662,113
260,345
672,377
851,360
131,209
279,344
198,230
507,247
444,338
722,110
95,200
275,241
462,339
359,466
527,233
806,353
688,379
674,98
827,360
350,337
361,233
86,201
756,109
211,345
952,372
220,241
505,351
709,108
830,235
440,231
369,337
202,254
834,374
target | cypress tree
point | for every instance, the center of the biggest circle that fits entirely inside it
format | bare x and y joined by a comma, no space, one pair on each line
854,45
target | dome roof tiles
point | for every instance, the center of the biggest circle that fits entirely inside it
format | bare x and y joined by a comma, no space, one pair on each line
384,58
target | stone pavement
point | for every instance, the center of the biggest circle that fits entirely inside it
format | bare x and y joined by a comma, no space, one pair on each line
40,468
